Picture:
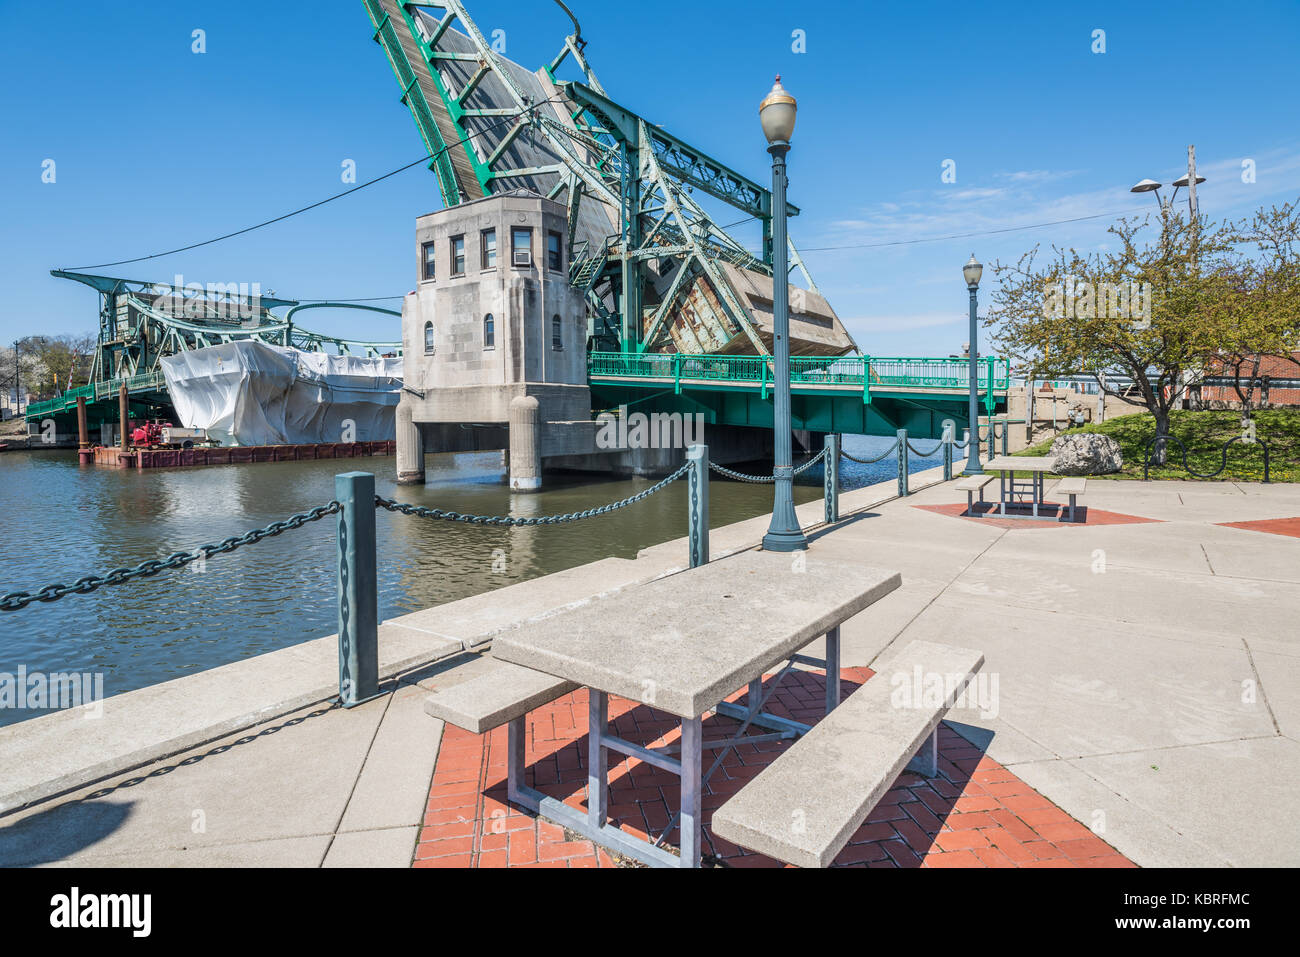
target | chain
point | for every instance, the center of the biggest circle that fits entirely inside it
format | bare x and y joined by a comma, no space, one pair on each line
21,599
888,452
510,520
764,479
925,455
811,462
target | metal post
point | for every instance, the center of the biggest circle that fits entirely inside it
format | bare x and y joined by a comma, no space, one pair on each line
697,480
831,470
122,412
784,533
358,589
992,434
83,437
1005,426
597,759
692,804
948,439
902,463
973,450
832,669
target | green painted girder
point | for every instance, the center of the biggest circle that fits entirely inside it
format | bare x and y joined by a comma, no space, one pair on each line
923,417
386,35
677,158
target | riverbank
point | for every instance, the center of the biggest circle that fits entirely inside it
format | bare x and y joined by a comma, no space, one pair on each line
1203,434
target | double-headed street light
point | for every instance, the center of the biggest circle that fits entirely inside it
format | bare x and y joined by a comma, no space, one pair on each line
777,114
1188,181
972,272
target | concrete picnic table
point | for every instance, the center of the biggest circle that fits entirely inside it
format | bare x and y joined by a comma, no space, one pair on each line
1008,485
682,644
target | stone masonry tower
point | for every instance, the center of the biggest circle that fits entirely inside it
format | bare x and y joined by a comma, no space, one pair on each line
494,339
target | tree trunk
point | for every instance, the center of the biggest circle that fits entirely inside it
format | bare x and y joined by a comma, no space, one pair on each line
1160,450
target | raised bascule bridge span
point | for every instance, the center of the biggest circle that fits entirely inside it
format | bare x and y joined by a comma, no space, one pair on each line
637,225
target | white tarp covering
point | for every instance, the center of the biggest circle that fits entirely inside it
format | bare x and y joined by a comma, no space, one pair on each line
251,393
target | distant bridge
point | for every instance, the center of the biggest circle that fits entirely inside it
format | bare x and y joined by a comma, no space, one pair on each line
140,322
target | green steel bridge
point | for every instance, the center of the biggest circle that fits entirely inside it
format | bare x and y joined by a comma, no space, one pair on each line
140,322
676,304
856,395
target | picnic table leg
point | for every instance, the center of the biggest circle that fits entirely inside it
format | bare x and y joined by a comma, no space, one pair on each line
1002,491
515,758
692,771
832,668
597,759
754,698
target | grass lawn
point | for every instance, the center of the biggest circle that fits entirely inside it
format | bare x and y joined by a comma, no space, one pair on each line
1204,434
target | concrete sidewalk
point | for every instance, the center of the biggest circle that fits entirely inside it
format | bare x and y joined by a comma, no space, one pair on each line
1146,683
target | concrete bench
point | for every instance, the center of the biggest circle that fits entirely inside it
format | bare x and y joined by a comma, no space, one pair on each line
804,806
972,484
496,693
1072,486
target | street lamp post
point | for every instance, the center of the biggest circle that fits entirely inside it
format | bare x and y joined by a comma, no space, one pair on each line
777,114
972,272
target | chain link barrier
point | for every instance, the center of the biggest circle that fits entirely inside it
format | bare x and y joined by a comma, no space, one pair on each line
511,521
84,586
764,479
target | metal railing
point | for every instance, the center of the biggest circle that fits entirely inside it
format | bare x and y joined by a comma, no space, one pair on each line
1150,446
861,371
96,391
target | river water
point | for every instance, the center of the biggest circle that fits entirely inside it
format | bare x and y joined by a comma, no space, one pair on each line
63,522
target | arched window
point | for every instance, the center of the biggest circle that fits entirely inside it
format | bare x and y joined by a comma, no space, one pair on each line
489,332
428,338
557,337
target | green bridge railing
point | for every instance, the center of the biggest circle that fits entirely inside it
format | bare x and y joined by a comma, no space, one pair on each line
96,391
865,372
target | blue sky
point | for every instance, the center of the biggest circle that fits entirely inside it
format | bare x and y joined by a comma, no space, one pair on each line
156,146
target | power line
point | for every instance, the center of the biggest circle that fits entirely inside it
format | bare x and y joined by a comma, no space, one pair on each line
366,299
987,232
346,192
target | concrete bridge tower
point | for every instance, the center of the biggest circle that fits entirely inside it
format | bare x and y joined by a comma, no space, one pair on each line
494,339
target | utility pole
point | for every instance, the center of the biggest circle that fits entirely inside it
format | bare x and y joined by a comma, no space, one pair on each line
1191,180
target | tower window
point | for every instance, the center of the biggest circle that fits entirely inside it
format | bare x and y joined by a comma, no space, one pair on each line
457,255
489,332
428,338
557,336
521,243
554,252
429,260
488,248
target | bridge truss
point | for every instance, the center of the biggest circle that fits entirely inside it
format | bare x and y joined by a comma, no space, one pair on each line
140,322
657,272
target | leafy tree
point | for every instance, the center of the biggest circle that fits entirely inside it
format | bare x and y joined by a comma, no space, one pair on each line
1259,307
1158,310
50,364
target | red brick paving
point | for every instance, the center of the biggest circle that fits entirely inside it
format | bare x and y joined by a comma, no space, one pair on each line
1274,526
975,814
1082,516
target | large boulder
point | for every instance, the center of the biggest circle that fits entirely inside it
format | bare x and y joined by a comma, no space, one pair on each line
1085,453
